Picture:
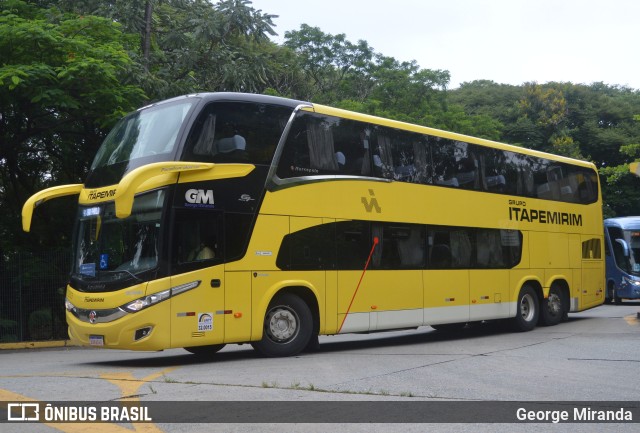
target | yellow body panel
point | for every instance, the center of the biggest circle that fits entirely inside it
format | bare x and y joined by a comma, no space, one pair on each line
197,316
231,300
237,300
385,299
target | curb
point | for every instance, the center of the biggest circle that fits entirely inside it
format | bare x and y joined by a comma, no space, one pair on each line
36,345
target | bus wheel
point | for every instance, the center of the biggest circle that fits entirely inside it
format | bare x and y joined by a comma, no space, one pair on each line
527,310
205,350
616,299
608,298
288,326
553,308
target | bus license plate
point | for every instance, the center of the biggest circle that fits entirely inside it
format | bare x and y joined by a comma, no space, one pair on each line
96,340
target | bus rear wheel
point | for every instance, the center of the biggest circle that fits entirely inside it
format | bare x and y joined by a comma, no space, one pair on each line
288,326
528,310
553,308
205,350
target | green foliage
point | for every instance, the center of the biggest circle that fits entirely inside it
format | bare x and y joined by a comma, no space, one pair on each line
620,191
40,324
62,83
8,330
69,68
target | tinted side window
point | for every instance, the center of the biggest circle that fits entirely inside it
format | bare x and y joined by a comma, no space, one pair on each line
309,249
401,155
591,249
498,249
197,240
236,132
444,161
353,244
497,175
237,231
346,246
325,145
450,247
607,249
401,246
621,260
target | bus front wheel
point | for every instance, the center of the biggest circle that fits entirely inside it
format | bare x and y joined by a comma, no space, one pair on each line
288,326
616,299
527,310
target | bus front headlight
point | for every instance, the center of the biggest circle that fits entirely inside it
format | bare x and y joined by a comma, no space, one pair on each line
146,302
634,283
69,306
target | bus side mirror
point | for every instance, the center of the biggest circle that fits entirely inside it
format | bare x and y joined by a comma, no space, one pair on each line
625,247
44,195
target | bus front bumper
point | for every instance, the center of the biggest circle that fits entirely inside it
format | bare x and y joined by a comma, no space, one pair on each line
145,330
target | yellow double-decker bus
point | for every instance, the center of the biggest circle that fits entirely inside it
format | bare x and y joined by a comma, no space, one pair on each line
221,218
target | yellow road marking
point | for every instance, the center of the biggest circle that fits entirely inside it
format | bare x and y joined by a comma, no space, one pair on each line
632,320
128,386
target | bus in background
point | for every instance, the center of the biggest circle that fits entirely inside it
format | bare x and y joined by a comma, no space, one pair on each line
622,250
221,218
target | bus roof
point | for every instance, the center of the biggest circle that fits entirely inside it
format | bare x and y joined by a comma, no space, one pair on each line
323,109
235,96
625,223
331,111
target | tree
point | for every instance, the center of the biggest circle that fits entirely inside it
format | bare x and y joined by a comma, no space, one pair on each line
62,85
183,46
336,68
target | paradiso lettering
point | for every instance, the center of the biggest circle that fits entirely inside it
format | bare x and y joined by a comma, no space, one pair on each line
541,216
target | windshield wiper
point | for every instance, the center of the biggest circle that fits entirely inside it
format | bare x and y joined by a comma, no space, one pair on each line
135,277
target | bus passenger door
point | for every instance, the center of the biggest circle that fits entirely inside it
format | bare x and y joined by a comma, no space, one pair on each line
308,253
489,282
396,292
446,280
197,281
388,294
353,246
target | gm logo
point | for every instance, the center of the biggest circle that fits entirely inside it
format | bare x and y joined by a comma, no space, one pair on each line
199,196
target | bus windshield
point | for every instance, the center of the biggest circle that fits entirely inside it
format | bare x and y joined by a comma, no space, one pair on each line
117,250
632,263
145,133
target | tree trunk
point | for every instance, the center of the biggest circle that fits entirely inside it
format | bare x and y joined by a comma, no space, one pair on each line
146,36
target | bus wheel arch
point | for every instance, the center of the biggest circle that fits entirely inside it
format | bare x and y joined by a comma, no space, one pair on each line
291,323
555,308
612,293
527,307
608,298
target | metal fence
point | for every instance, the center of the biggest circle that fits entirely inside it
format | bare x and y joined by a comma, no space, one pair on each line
32,290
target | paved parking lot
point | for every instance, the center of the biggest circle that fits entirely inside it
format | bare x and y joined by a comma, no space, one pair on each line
593,357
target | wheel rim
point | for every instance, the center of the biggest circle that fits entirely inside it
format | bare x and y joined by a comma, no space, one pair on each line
527,308
554,304
282,324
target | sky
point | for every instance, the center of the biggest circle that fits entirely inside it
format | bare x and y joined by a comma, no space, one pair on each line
506,41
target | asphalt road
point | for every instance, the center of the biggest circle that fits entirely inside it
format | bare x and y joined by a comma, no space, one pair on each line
595,356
